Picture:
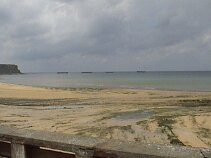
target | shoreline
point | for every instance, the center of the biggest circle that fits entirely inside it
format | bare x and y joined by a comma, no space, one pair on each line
107,88
149,116
167,81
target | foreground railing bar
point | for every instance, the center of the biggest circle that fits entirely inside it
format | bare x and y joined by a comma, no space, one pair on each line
78,145
86,147
35,152
31,152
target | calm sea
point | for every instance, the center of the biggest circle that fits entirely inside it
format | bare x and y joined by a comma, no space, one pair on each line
191,81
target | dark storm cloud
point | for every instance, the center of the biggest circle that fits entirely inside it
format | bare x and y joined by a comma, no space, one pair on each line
106,34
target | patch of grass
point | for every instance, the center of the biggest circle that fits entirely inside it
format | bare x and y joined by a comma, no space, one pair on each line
109,116
103,131
32,102
205,132
126,128
143,123
193,120
46,102
194,102
166,122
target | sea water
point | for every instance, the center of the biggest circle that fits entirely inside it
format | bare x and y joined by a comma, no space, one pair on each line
187,81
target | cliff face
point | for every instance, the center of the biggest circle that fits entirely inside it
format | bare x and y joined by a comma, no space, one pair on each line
9,69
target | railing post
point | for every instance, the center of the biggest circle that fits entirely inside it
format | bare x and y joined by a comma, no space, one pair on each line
18,151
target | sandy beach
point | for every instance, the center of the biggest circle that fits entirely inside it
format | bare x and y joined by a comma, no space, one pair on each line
148,116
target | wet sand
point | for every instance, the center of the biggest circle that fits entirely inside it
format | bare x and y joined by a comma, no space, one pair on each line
149,116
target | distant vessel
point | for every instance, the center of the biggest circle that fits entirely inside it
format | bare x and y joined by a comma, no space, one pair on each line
86,72
62,72
140,71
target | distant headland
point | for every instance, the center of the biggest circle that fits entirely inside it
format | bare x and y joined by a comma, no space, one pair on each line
9,69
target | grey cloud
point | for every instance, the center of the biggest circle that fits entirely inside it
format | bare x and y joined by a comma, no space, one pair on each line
114,34
4,17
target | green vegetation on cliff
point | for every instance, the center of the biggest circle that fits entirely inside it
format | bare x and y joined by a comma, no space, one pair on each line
9,69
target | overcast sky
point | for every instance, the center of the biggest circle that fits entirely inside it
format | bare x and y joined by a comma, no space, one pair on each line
106,35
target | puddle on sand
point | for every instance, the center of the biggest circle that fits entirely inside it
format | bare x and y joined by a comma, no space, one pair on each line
129,118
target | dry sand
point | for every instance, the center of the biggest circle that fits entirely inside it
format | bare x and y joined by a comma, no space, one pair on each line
149,116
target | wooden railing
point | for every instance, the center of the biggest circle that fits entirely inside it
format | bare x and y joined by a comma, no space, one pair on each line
17,143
